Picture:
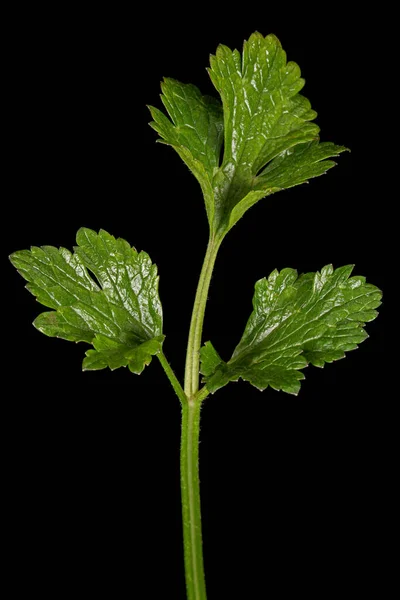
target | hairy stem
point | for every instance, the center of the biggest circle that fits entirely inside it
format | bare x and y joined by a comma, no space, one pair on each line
172,377
190,486
190,490
191,399
196,325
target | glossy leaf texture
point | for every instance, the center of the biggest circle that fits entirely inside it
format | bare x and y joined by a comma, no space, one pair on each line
119,312
195,131
270,140
296,320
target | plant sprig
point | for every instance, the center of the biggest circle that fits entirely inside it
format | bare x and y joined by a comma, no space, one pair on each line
258,140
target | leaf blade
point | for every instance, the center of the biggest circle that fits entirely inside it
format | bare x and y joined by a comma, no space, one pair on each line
296,321
120,313
194,129
265,119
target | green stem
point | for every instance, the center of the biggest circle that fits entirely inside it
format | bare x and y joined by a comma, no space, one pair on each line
196,325
191,513
202,394
172,377
191,400
190,485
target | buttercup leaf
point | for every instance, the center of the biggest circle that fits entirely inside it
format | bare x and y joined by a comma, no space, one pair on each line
120,315
296,321
270,140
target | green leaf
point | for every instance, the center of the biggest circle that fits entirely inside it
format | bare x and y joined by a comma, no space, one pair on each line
296,321
196,131
120,313
210,359
265,116
270,141
295,166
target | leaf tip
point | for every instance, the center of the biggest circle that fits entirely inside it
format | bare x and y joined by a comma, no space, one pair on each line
271,37
12,257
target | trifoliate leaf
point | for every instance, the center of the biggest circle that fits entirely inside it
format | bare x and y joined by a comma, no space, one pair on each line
120,313
270,142
314,318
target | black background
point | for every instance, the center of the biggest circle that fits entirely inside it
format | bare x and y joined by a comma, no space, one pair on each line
92,458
